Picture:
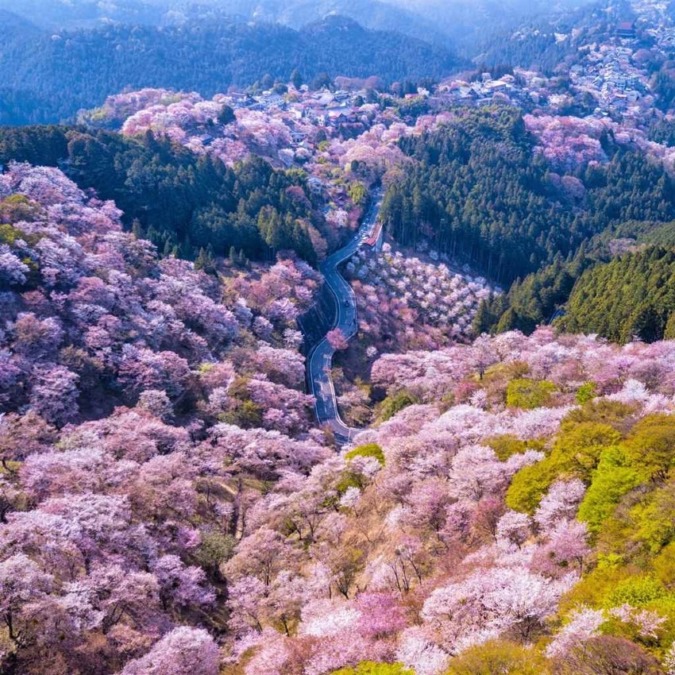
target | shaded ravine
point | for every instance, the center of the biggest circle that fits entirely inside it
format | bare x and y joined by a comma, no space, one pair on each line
320,359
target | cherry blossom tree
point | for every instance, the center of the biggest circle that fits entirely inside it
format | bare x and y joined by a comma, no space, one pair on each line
54,394
337,340
12,270
181,586
513,528
182,651
23,585
559,504
491,602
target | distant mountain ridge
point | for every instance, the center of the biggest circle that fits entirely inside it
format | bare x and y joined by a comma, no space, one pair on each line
48,77
445,22
372,14
54,15
473,26
13,23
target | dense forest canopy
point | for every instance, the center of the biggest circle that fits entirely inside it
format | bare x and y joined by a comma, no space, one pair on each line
534,44
542,296
633,295
478,191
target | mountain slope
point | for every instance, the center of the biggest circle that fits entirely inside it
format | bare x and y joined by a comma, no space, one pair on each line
373,14
472,23
56,75
536,43
54,14
467,22
631,295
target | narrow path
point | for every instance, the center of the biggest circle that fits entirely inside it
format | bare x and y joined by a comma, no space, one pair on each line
321,358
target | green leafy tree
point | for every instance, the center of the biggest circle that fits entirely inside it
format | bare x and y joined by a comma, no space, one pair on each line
650,448
586,393
529,394
372,668
499,656
296,78
396,402
529,485
226,115
655,518
612,479
369,450
578,448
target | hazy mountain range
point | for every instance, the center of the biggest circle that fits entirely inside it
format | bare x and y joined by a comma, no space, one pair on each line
463,22
48,76
102,47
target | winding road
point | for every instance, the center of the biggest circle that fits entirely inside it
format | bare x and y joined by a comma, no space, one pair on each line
321,358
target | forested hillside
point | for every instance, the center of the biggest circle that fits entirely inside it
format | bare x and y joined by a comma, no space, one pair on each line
182,202
633,295
539,297
95,318
372,14
374,376
50,77
534,44
471,24
167,506
478,191
441,22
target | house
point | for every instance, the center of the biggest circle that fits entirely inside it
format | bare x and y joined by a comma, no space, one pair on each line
375,238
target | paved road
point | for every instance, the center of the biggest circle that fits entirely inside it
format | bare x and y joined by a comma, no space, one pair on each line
321,358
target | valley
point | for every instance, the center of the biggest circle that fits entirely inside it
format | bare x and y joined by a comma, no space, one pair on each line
346,322
337,338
